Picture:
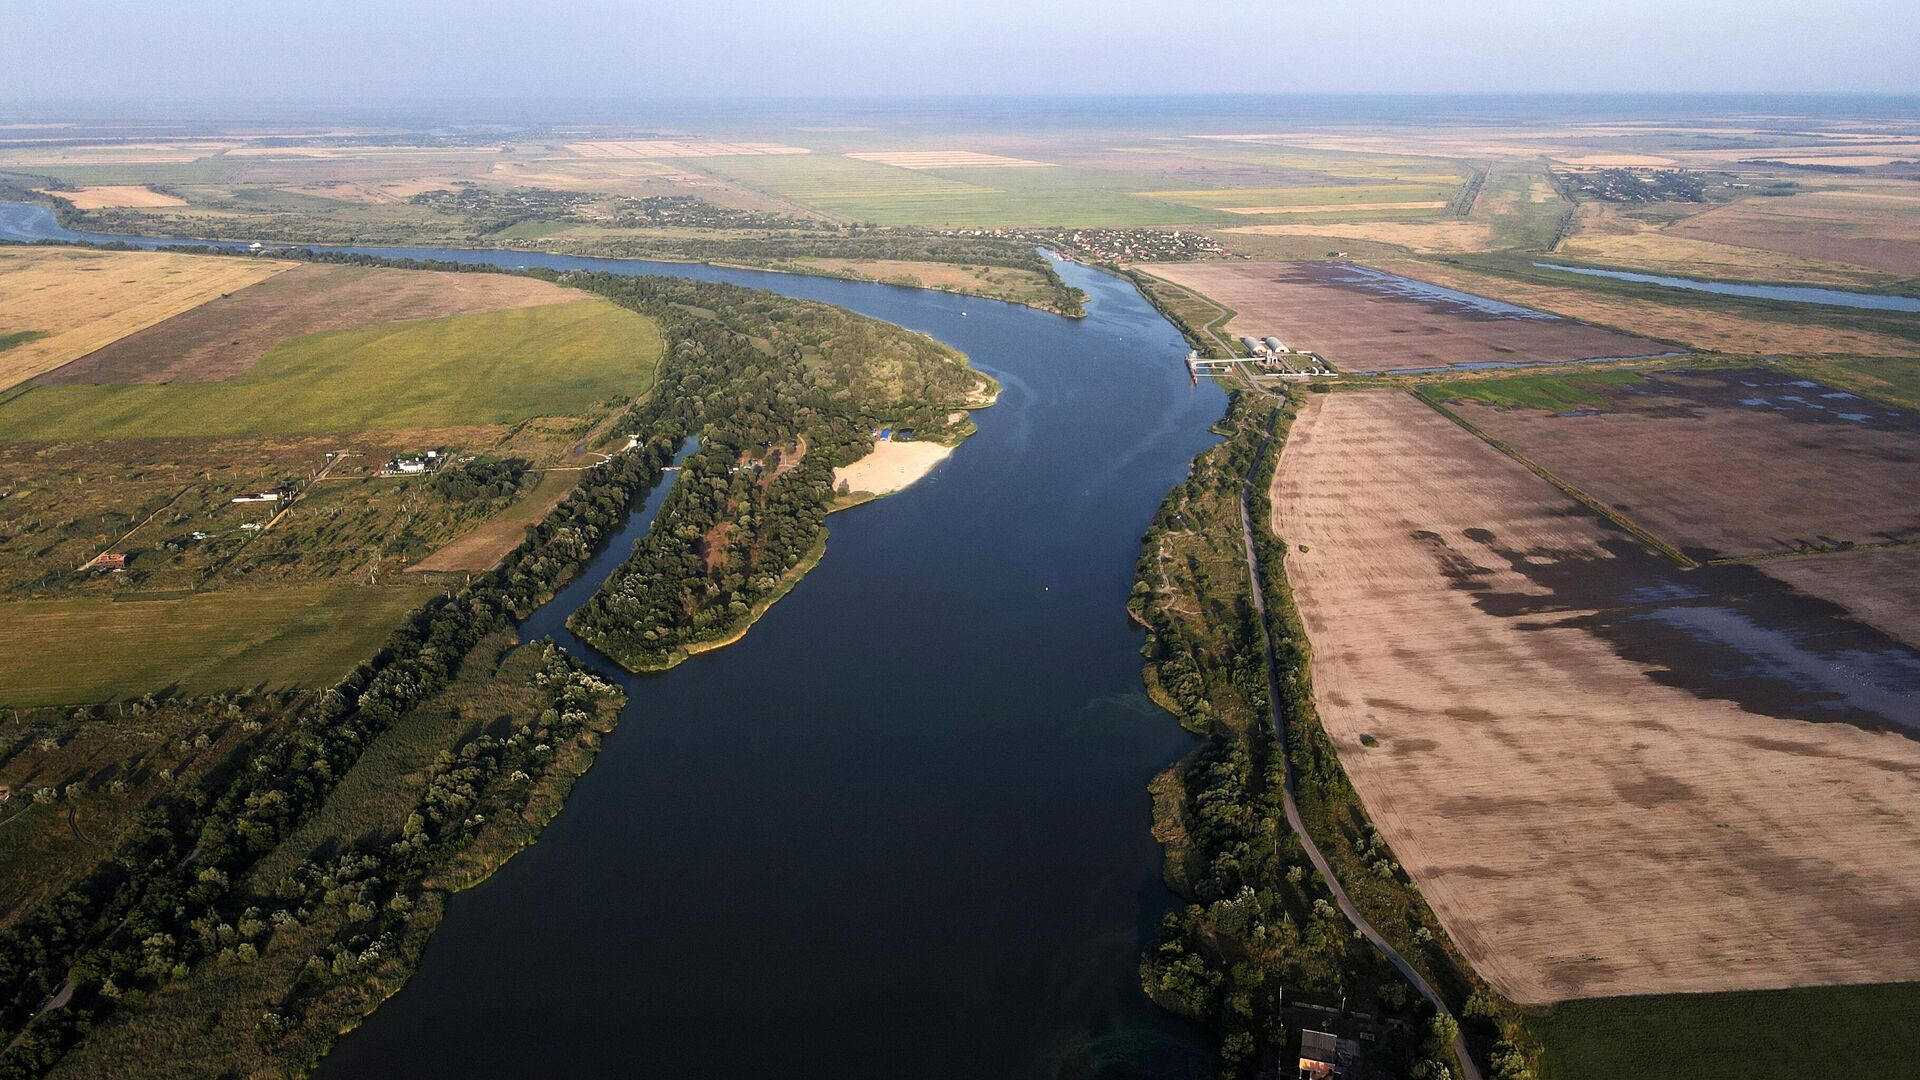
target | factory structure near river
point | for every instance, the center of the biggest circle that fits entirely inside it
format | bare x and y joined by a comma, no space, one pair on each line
1265,356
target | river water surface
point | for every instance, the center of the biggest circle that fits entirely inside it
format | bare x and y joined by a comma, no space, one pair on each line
901,828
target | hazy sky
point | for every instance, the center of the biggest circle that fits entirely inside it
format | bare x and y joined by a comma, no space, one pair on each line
396,49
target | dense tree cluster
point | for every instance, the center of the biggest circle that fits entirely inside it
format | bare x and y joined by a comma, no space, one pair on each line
481,479
140,918
781,392
495,209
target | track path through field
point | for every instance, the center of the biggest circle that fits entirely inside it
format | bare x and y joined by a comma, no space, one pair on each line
1468,1069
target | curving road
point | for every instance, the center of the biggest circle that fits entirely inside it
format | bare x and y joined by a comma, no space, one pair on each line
1469,1070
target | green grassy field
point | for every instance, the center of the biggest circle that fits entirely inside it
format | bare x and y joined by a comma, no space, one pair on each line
1857,1032
1895,380
1555,391
985,197
62,652
494,368
1334,195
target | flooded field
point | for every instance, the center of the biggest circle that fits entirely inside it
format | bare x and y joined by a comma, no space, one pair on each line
1607,774
1790,294
1727,463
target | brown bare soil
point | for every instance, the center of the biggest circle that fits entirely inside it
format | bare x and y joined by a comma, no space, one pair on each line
1694,327
1331,309
1731,463
1586,818
1866,228
1879,587
81,300
225,337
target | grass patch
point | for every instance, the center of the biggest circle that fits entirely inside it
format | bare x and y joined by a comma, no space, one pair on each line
19,337
1853,1031
1552,392
492,368
882,194
59,652
1893,380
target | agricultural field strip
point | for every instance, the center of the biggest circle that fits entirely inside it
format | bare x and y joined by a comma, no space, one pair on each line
1360,322
83,300
1584,848
1780,484
226,336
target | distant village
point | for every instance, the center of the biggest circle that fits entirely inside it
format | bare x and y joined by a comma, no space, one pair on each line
1110,245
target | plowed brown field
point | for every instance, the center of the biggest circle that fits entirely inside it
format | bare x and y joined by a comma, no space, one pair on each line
1587,817
1363,320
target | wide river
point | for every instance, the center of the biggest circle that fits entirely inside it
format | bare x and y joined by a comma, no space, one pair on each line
900,829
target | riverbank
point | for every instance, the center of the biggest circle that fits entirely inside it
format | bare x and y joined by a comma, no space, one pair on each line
1222,812
1047,975
884,258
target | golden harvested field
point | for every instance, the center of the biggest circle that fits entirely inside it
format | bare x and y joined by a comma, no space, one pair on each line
1872,227
1878,587
1588,811
1421,237
1361,320
1696,328
948,159
97,198
128,153
371,193
1607,235
1727,463
225,336
81,300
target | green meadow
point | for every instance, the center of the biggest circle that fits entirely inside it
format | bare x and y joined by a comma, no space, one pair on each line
1555,392
1837,1031
493,368
967,197
63,652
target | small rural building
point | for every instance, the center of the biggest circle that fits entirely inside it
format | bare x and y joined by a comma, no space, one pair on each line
1319,1055
413,464
112,560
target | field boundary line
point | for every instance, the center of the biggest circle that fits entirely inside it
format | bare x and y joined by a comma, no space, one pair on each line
1663,547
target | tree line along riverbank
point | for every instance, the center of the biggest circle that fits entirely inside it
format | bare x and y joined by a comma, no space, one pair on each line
265,906
1261,931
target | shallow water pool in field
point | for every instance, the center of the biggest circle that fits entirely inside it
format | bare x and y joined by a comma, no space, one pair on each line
1792,294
